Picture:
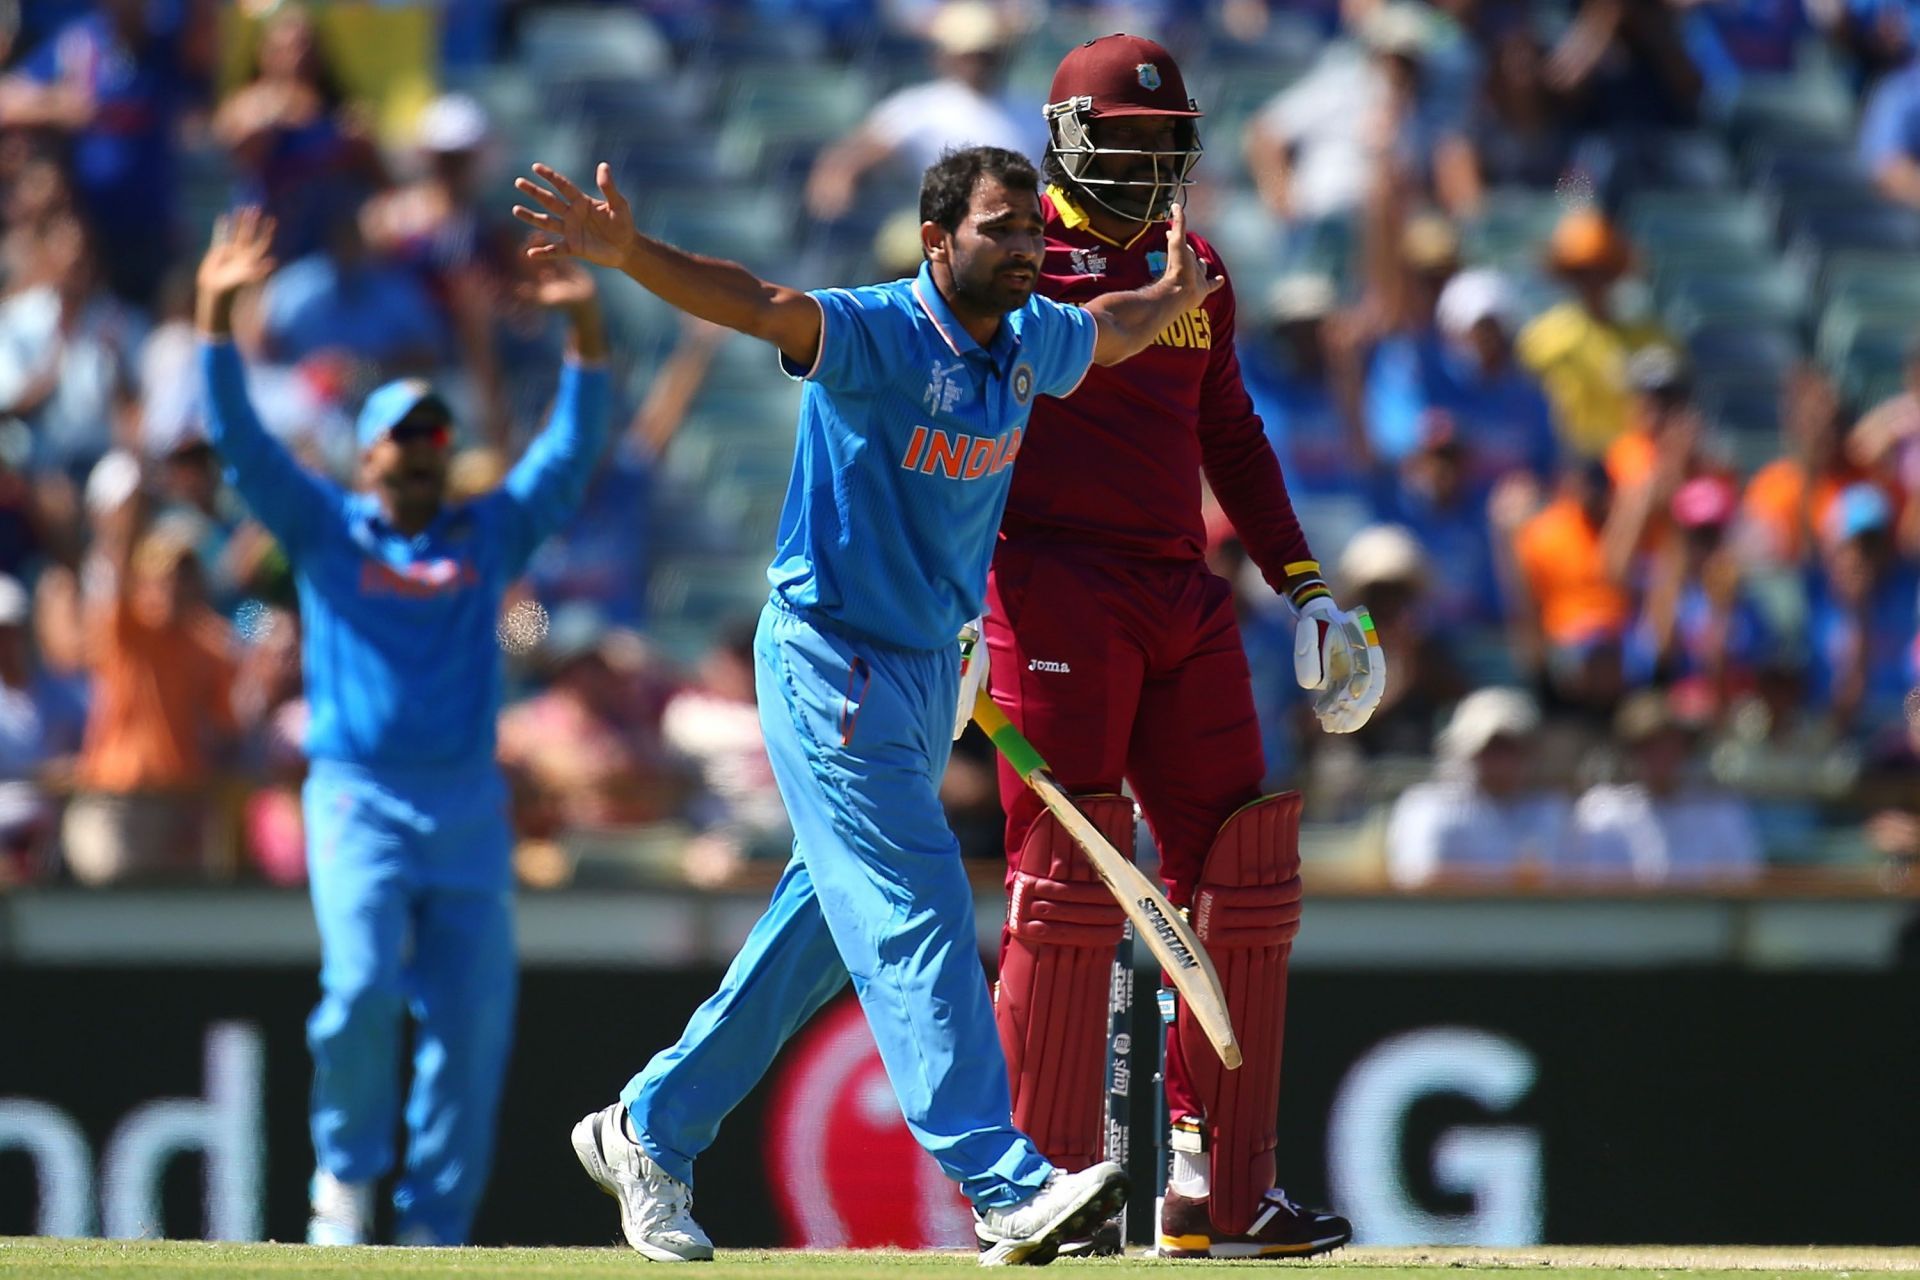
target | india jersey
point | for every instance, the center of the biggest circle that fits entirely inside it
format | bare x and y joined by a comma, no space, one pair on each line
403,670
1116,467
908,434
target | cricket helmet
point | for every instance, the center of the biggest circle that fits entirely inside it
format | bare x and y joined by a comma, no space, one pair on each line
1122,75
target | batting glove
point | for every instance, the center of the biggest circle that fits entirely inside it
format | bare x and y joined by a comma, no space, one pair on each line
973,675
1337,654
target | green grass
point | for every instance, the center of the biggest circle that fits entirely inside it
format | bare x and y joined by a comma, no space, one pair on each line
184,1260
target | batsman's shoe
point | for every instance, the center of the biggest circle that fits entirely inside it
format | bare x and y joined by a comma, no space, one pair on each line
1067,1207
342,1211
1281,1229
656,1208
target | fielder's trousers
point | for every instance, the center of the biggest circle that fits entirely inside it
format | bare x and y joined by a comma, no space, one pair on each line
411,880
859,735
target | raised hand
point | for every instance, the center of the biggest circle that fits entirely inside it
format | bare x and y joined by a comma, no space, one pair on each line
240,255
1184,269
600,231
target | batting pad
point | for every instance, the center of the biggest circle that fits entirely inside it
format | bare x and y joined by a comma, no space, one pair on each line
1063,925
1246,909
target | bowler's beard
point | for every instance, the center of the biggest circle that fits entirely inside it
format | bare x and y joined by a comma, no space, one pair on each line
980,291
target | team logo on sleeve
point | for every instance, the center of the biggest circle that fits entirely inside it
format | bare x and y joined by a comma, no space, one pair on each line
1148,75
1023,383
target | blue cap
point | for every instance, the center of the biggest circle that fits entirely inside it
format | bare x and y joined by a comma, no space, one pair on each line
1860,508
388,406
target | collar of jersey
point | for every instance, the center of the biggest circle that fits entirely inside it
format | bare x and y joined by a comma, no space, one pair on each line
934,304
367,509
1074,218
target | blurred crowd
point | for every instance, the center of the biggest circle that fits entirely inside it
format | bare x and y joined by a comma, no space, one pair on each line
1641,538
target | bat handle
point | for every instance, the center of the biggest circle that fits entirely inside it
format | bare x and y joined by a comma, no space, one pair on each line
1012,743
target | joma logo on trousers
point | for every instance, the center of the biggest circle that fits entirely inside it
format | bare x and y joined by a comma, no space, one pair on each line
960,456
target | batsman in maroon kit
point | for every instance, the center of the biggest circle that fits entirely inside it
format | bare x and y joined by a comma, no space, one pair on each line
1119,654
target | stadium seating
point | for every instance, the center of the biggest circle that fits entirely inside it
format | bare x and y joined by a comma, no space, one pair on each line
587,43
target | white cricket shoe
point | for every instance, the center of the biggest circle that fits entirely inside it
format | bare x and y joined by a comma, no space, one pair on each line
342,1211
656,1208
1068,1207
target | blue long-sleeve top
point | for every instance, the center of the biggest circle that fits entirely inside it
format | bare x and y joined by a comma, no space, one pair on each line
403,668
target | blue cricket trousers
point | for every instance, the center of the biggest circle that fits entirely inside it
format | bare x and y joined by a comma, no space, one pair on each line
859,735
412,891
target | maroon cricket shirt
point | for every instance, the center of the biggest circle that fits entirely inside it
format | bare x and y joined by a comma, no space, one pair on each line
1115,467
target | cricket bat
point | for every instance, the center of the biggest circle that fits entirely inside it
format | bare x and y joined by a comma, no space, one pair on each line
1155,920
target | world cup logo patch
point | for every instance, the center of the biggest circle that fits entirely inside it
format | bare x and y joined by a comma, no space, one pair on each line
1023,383
1149,76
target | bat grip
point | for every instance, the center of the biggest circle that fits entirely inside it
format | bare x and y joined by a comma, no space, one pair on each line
1012,743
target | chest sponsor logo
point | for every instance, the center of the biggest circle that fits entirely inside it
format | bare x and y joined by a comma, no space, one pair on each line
420,581
1088,262
1193,330
945,386
959,456
1049,666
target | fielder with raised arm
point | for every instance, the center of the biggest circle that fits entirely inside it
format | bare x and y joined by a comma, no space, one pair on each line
1119,655
916,403
409,846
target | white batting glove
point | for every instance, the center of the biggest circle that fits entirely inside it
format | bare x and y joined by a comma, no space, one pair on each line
1338,654
973,675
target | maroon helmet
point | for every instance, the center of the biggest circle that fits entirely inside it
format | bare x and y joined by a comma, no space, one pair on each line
1122,75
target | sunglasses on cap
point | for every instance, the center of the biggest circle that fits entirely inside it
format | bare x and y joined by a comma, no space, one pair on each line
425,425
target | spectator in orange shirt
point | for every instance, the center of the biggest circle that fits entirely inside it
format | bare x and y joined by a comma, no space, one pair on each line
1662,404
1790,497
1571,612
1650,463
162,709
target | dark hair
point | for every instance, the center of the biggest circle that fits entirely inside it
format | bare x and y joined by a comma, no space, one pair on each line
948,185
326,80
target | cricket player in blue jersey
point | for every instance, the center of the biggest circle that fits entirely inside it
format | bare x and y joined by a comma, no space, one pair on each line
408,840
916,400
